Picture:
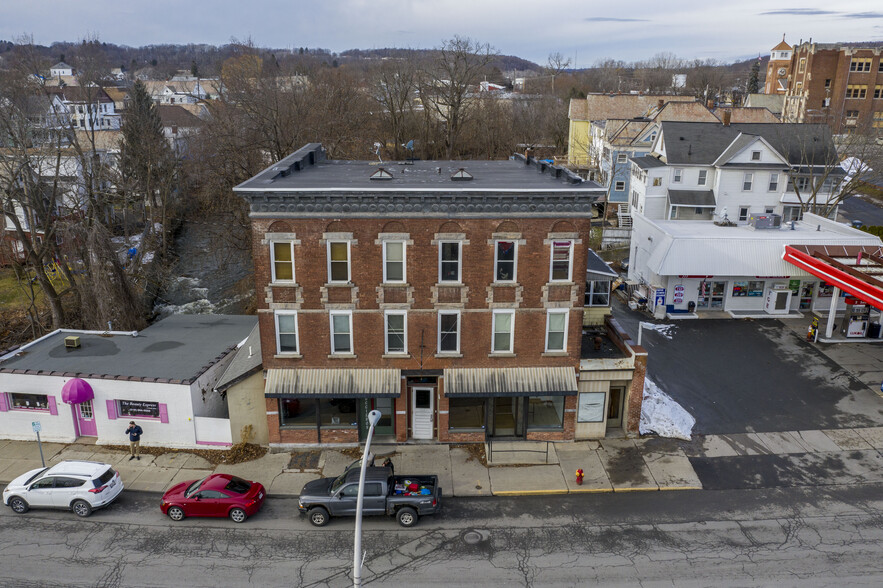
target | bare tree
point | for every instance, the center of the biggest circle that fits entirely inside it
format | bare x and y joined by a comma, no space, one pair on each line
556,64
448,82
393,88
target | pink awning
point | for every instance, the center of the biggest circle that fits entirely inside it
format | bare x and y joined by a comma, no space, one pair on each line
76,391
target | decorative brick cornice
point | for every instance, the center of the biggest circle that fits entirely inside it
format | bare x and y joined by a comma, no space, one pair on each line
439,205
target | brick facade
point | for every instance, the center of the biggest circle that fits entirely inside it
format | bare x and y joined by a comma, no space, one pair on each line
313,295
821,76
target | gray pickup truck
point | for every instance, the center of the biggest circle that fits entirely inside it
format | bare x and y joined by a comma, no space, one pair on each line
405,497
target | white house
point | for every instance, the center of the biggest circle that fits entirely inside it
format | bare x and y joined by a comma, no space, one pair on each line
84,107
714,207
61,69
712,170
90,384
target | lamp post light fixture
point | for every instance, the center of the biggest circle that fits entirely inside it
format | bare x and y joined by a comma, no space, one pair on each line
358,558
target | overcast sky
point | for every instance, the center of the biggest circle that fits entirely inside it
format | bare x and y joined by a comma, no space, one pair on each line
584,31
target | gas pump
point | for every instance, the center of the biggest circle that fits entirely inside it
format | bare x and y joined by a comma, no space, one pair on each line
857,318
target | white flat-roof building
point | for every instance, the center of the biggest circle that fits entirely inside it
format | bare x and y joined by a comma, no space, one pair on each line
695,266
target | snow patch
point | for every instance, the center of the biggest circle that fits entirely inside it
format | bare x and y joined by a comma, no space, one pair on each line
661,415
666,331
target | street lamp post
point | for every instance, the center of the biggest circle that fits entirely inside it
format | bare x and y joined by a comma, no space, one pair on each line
373,419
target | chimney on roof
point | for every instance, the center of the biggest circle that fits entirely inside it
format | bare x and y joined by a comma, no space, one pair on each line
660,103
726,118
709,104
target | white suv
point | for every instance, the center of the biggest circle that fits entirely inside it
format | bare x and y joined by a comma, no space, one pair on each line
80,486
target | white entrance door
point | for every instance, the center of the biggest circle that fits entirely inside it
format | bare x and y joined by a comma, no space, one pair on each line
422,413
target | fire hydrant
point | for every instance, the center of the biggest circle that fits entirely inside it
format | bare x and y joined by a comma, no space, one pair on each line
579,477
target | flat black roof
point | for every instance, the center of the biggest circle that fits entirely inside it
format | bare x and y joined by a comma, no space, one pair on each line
178,348
307,170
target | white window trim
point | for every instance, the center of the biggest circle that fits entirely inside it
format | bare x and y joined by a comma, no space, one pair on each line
759,155
748,178
514,261
617,187
459,332
459,261
511,314
404,263
386,314
549,313
770,187
293,313
273,262
677,175
569,260
349,316
747,213
622,157
702,181
349,261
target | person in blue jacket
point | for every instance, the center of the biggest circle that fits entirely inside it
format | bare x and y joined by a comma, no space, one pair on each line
134,432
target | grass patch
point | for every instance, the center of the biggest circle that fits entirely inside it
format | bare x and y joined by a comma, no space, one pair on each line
12,296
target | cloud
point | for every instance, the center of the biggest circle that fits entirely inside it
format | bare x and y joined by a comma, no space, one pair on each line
798,12
864,15
614,19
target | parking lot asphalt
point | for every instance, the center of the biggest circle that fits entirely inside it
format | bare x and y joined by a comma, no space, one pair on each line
741,376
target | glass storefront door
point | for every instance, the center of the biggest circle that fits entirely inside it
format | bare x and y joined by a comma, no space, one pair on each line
508,416
711,295
386,425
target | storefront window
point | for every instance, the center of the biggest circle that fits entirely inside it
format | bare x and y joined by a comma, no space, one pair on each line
748,288
297,412
466,413
29,401
545,412
338,413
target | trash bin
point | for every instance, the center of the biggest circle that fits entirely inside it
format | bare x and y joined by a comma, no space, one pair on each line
691,306
874,331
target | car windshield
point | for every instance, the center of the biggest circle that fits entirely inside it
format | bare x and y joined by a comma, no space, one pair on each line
34,477
237,485
193,487
338,482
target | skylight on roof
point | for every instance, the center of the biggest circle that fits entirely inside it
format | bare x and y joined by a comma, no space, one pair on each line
461,175
381,174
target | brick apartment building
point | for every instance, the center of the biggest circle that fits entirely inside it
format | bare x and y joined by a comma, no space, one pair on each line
448,295
836,84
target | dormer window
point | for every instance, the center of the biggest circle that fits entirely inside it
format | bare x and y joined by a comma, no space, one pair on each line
461,175
381,174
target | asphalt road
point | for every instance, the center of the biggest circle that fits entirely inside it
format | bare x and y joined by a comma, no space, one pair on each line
861,209
738,376
783,537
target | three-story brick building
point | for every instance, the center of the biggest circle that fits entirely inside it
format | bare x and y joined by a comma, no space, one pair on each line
448,295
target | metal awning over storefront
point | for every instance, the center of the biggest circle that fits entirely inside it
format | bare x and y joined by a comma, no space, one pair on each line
336,383
487,382
857,270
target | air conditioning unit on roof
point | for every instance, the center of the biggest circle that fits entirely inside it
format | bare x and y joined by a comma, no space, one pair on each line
765,221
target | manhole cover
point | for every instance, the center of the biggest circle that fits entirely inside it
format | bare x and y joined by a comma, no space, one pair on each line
472,537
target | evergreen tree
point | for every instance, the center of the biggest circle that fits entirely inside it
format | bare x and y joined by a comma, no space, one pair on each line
147,164
754,78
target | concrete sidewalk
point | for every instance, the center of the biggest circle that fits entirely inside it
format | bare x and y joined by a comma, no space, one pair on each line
609,465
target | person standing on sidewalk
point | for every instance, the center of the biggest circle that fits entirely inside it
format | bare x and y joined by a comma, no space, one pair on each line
135,433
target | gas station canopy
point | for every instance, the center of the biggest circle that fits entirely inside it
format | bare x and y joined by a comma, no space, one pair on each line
855,269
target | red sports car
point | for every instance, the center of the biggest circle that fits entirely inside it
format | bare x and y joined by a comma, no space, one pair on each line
218,495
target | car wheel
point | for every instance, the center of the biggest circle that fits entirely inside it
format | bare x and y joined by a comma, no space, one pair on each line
176,513
407,517
18,505
81,508
318,516
237,515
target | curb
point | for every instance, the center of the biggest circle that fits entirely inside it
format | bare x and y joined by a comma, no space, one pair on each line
528,492
669,488
636,489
